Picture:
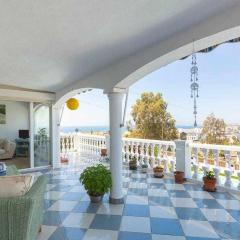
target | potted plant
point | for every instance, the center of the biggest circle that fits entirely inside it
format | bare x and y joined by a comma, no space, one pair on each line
144,168
103,152
97,181
179,176
158,171
133,164
209,181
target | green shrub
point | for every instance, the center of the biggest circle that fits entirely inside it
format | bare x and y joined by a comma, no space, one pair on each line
96,180
210,174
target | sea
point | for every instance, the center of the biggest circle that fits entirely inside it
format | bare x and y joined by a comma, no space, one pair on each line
88,129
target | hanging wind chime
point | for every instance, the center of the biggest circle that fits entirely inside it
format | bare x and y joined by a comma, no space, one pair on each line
194,86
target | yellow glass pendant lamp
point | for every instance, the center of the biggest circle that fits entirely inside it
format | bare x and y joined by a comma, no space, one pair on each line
72,104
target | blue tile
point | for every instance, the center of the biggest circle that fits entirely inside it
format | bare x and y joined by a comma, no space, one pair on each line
73,196
166,227
227,230
107,222
179,194
61,188
163,201
235,214
48,203
54,181
207,203
190,213
200,238
193,187
134,236
138,191
67,233
86,207
167,180
54,218
223,195
141,180
136,210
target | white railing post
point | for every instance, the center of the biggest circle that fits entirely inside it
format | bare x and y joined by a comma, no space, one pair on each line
183,159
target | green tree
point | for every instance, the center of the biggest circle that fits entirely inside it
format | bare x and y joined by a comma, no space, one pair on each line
213,131
151,119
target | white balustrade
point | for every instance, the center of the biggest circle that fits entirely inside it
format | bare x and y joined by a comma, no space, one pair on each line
223,160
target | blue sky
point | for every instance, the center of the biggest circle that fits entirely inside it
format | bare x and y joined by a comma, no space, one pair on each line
219,80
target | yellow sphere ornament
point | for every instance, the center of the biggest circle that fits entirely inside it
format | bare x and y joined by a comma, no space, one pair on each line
72,103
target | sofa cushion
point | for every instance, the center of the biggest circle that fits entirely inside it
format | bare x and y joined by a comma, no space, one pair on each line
16,185
2,151
6,145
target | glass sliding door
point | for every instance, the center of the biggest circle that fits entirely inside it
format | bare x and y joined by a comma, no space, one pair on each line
42,136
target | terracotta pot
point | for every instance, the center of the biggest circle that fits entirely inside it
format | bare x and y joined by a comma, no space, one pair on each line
103,152
96,199
158,172
209,184
179,177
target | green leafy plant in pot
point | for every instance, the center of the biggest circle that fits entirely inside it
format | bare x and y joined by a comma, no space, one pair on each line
209,181
97,181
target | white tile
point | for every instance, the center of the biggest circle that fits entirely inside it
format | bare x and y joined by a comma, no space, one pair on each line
193,228
78,220
230,204
112,209
69,182
200,194
166,237
50,186
138,175
155,192
217,215
97,234
155,180
137,185
237,196
61,205
162,212
135,224
60,177
135,199
53,195
126,179
46,232
174,186
183,202
77,189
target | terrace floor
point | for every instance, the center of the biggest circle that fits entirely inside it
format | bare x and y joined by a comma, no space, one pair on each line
156,209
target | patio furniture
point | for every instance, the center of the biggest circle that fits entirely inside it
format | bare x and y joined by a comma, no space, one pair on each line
21,217
7,149
22,147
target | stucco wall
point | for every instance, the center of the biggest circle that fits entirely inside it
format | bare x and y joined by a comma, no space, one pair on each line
17,117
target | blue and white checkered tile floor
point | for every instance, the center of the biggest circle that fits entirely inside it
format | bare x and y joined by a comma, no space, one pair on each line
156,209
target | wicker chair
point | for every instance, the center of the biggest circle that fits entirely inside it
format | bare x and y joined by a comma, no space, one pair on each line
21,217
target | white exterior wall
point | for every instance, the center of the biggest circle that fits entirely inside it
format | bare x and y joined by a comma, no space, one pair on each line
17,117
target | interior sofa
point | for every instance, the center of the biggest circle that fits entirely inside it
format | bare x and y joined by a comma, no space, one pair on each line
21,216
7,149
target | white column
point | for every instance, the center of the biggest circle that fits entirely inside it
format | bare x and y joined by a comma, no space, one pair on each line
31,128
115,115
183,158
55,136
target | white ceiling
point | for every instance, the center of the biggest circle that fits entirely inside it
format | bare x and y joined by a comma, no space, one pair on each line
49,44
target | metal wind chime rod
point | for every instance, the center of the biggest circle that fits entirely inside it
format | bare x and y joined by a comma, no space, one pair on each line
194,86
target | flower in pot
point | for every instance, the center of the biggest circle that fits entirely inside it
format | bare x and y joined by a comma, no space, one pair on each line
179,176
133,164
158,171
97,181
144,168
209,181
